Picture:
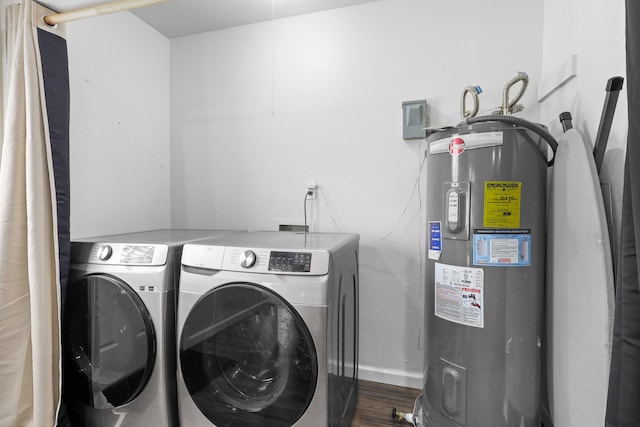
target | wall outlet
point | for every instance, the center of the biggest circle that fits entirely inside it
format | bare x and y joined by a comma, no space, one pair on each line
311,190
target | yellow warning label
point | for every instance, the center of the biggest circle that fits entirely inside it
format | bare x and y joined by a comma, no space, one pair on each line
502,204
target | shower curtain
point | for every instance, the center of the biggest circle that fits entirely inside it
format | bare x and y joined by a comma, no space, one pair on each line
34,216
623,406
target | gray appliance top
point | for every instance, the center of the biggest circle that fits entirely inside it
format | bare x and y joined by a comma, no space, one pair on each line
287,240
169,236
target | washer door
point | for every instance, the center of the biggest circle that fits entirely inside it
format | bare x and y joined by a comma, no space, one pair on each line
247,358
109,343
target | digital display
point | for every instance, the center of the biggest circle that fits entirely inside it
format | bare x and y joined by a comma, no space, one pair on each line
294,262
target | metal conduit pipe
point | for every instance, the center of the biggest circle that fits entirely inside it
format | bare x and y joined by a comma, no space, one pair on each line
517,121
507,106
474,91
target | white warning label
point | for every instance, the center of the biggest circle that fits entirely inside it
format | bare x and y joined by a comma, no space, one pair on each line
459,295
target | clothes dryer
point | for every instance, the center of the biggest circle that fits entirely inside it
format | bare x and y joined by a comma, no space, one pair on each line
268,330
119,328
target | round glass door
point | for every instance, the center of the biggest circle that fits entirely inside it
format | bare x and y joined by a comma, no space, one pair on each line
247,358
109,343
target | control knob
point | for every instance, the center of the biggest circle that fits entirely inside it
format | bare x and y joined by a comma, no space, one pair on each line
105,252
247,259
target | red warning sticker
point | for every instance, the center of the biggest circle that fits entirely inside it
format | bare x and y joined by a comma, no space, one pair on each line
456,146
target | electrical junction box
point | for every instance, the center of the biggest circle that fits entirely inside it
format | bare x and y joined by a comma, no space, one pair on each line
414,119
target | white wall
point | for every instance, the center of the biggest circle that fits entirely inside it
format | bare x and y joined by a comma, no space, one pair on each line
258,110
119,131
596,34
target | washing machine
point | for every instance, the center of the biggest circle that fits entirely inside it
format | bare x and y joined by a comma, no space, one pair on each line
268,330
118,336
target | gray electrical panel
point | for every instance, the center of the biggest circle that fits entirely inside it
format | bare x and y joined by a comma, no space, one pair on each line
414,119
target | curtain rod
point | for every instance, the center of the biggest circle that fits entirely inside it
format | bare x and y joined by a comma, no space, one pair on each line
89,12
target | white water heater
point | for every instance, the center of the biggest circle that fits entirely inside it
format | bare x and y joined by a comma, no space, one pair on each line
485,273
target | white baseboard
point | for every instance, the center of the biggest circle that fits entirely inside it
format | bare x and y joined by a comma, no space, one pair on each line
390,376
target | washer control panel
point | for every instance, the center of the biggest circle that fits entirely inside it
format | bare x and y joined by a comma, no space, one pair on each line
311,262
247,259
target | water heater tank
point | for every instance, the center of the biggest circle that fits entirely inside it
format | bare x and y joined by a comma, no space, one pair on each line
485,272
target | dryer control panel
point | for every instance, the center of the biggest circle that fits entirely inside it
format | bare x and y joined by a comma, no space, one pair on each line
119,253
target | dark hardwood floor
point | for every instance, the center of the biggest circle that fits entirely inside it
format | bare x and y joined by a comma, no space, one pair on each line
376,401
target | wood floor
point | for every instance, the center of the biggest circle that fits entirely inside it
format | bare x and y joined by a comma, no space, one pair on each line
376,401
